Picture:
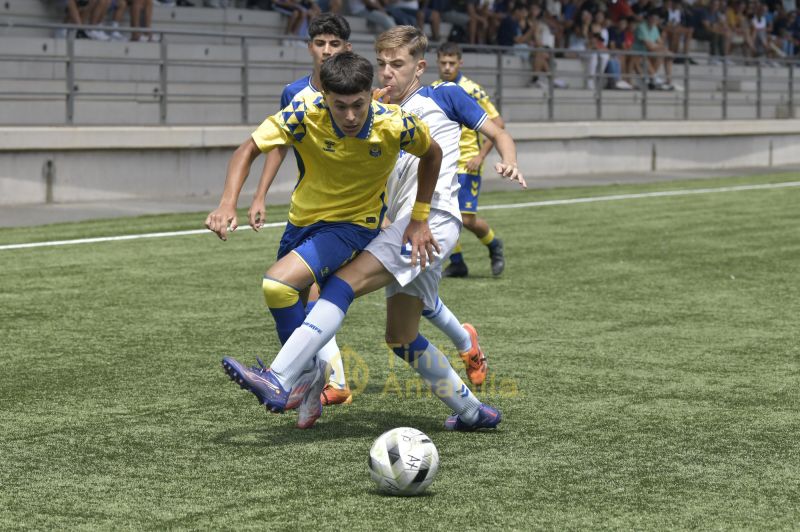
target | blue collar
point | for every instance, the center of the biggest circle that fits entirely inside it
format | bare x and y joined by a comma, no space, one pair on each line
365,129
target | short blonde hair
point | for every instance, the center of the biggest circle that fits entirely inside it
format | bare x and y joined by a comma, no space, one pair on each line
408,37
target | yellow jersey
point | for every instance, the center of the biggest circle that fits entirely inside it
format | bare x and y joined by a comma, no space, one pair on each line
342,179
471,141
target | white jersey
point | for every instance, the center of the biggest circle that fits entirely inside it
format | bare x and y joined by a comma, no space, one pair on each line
445,109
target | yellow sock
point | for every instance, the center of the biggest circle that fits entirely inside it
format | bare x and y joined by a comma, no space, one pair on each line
488,238
457,249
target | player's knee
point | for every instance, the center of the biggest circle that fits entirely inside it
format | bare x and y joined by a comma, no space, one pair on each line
278,294
469,220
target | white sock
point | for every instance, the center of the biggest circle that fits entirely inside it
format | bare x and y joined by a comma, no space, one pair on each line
445,383
447,322
332,357
306,341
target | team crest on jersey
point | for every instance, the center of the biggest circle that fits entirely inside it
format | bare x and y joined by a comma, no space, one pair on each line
329,146
375,150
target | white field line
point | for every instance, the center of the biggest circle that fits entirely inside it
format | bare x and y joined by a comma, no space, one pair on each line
572,201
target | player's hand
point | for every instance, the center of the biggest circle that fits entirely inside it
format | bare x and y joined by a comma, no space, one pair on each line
510,171
381,95
423,245
220,219
474,164
257,214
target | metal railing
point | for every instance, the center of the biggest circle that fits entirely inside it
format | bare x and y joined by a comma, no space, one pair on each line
755,89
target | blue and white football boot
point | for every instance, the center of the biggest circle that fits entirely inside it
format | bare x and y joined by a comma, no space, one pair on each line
488,418
260,381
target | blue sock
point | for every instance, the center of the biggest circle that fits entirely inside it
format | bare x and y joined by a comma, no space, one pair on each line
338,292
493,244
288,319
410,352
457,257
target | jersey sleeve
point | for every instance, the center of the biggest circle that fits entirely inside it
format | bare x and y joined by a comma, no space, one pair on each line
415,137
286,96
459,106
283,128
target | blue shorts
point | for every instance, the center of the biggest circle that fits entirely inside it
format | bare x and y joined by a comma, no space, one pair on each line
469,192
325,246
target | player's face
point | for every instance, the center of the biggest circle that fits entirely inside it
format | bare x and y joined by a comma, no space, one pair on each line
399,71
349,110
324,46
449,65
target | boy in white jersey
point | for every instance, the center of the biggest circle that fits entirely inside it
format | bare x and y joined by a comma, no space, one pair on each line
389,261
328,35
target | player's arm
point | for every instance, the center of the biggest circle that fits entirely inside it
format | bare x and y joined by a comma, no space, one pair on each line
507,167
418,233
258,209
475,163
238,168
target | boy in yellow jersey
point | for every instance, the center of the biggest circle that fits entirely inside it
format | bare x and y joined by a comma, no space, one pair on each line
346,146
328,35
474,149
388,261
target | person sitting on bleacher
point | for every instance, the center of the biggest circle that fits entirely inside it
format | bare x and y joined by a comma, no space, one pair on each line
374,12
715,31
300,13
86,12
142,17
648,39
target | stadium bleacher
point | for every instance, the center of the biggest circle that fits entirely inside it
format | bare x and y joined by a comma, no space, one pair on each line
120,82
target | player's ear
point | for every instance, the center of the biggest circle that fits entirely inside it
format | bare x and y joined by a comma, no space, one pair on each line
348,47
422,64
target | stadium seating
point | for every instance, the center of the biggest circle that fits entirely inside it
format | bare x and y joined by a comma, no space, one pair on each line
119,83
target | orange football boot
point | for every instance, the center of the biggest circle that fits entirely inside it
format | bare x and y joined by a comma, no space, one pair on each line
332,395
474,359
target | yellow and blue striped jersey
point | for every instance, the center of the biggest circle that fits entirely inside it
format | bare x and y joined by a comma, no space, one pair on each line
471,141
342,179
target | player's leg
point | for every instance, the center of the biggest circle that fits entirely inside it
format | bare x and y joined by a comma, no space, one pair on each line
336,390
458,266
403,309
468,197
307,255
464,338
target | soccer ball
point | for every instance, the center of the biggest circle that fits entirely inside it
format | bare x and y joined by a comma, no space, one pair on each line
403,461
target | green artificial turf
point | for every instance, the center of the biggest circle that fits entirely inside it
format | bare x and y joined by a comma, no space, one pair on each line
644,353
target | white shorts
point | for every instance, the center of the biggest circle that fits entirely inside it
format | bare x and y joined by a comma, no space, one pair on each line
410,279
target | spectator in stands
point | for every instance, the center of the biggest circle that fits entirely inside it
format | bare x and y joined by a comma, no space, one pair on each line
404,12
677,28
430,11
715,31
760,30
300,12
618,10
478,24
551,15
597,40
330,6
500,10
648,39
621,36
739,28
117,9
90,12
142,17
783,30
374,12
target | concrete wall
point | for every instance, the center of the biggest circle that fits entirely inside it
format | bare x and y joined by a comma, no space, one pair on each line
100,163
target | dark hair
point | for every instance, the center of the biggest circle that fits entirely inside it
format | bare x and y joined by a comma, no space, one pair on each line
346,73
330,24
449,48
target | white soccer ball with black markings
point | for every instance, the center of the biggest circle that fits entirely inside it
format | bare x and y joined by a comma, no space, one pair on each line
403,461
